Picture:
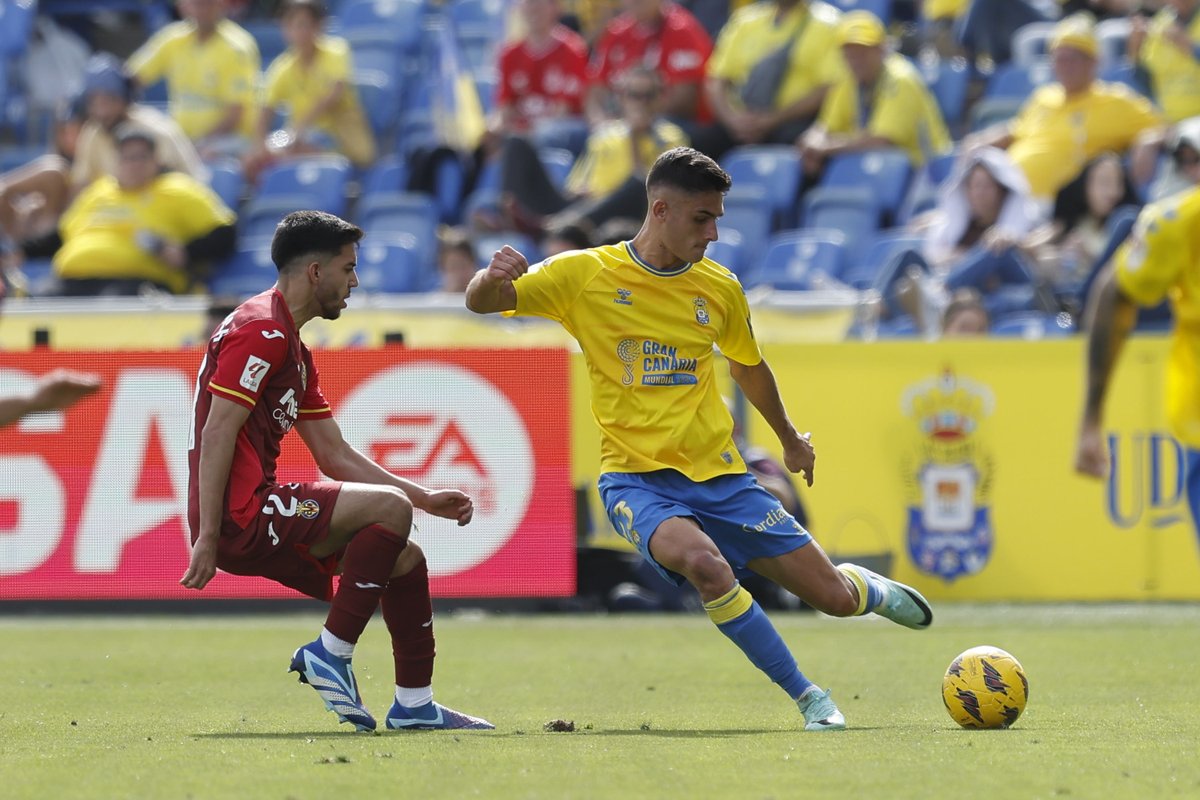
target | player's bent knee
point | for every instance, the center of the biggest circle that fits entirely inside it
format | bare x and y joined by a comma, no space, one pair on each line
707,571
408,560
395,511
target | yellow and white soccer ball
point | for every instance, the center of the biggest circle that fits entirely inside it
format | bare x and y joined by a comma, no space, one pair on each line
985,687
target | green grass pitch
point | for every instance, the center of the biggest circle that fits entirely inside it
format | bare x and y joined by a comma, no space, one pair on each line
664,706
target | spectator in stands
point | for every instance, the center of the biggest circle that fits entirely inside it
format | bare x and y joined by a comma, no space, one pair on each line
965,315
108,91
976,237
1065,124
985,28
211,66
1182,170
608,179
1168,48
588,17
33,195
661,35
882,102
1065,250
457,261
769,72
564,238
541,75
53,391
142,227
310,87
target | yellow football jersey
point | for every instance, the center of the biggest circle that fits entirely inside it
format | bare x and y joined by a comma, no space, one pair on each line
1161,259
1175,73
203,78
648,338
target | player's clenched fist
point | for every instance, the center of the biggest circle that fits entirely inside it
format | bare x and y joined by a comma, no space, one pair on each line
507,264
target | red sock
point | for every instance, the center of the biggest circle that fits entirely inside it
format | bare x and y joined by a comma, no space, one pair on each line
369,561
408,612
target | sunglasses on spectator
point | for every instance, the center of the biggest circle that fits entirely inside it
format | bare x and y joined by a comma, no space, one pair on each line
641,95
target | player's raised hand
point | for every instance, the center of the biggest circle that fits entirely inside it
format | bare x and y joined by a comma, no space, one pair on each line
203,565
507,264
450,504
800,456
62,388
1091,452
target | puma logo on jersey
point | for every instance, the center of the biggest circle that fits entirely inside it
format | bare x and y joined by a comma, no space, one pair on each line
275,334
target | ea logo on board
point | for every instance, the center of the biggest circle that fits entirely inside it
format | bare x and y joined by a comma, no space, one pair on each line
445,427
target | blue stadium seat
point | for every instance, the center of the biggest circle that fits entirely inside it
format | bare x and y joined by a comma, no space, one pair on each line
747,212
397,213
569,133
13,156
884,172
1127,74
478,18
16,25
728,251
863,272
487,243
1034,325
926,184
880,8
485,87
801,260
479,52
394,21
247,272
259,217
388,174
558,163
39,276
852,212
948,80
317,181
269,36
1007,90
1031,43
392,264
228,181
773,168
380,99
1112,36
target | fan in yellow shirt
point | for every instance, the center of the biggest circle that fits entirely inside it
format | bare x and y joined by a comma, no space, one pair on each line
881,102
1066,124
1161,259
1168,46
310,86
143,226
211,67
647,314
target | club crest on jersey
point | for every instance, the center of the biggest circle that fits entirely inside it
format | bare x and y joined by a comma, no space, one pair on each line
622,298
256,369
701,310
308,509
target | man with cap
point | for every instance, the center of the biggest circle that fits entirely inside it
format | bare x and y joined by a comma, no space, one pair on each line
882,102
1067,123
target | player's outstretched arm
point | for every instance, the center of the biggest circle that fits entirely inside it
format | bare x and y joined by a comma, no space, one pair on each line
341,461
758,384
491,289
1109,318
54,391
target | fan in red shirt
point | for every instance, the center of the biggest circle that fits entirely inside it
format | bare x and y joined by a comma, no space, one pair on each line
256,383
664,37
543,75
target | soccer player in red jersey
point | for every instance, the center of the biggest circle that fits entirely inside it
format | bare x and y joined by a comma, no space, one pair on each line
256,382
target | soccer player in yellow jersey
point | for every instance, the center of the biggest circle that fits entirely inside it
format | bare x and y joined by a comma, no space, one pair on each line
647,314
1160,259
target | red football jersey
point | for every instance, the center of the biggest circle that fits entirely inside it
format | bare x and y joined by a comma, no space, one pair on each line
678,50
255,358
546,82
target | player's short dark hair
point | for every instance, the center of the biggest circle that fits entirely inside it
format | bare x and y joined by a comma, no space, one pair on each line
688,170
307,233
316,8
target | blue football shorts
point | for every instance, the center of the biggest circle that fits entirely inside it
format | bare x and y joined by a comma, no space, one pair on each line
743,519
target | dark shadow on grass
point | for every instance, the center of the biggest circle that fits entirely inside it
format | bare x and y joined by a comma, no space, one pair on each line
652,733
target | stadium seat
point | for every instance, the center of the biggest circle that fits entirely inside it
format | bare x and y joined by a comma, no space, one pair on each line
880,8
478,18
1034,325
885,172
1007,90
314,182
926,184
485,87
389,174
393,264
1031,43
558,163
396,213
773,168
485,244
247,272
801,260
259,217
862,273
1112,36
948,80
228,181
394,21
269,36
749,214
380,99
569,133
16,27
39,276
852,212
479,52
728,251
1127,74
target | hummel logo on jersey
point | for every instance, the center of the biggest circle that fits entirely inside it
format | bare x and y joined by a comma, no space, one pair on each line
622,297
256,369
275,334
367,585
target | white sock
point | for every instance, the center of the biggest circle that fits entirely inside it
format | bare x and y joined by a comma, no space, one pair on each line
414,698
335,646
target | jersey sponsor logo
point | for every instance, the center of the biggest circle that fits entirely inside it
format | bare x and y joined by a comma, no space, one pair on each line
309,509
275,334
254,372
422,421
627,351
663,366
622,298
287,411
